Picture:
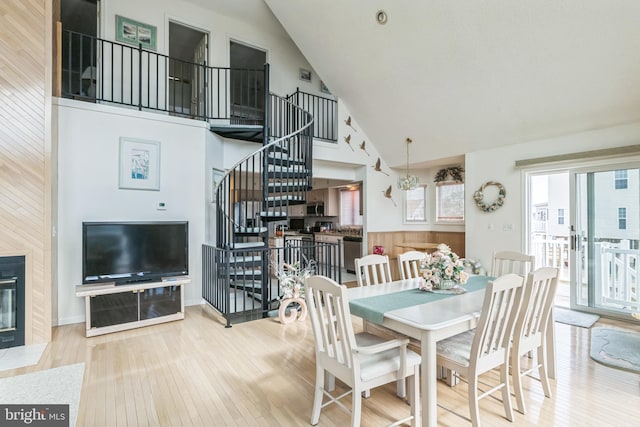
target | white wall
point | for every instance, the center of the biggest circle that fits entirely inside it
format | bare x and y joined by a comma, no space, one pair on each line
88,160
504,229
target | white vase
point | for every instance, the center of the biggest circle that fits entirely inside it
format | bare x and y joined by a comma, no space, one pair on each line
447,284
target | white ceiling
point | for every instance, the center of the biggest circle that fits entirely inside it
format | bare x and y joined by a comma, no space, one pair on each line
458,76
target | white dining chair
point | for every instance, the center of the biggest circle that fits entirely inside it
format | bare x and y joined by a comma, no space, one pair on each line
372,270
362,361
473,353
505,262
531,331
409,264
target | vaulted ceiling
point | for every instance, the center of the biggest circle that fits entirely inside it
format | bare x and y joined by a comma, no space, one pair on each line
459,76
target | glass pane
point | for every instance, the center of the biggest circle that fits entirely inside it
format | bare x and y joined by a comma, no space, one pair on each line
8,305
415,207
608,227
450,202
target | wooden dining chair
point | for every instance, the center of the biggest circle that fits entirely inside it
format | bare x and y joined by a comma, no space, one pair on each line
531,330
362,361
409,264
505,262
372,270
473,353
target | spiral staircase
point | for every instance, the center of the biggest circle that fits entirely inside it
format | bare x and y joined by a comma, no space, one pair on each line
256,191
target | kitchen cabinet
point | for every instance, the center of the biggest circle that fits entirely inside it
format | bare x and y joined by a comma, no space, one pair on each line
329,197
297,211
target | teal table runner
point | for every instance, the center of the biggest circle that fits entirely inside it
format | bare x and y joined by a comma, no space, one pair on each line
374,308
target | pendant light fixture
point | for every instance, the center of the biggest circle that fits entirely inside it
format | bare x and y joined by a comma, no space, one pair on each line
407,182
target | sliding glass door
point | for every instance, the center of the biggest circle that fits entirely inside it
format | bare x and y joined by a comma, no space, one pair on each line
604,240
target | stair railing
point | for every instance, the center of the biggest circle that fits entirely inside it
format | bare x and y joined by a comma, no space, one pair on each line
277,174
324,111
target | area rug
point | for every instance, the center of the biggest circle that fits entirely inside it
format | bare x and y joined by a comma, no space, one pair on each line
575,318
616,348
53,386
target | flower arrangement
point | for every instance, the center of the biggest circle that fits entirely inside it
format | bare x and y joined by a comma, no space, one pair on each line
291,277
454,172
443,269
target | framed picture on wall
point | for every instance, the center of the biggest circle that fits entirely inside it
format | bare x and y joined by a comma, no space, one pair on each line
136,33
324,88
139,164
305,75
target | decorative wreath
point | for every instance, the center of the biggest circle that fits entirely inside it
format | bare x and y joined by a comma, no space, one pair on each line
478,196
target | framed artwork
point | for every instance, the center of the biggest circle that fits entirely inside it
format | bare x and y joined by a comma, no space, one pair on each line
139,164
305,75
135,33
324,88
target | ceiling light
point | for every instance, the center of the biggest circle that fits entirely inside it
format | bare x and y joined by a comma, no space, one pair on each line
408,182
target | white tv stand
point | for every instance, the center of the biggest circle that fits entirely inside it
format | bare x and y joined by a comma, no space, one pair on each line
112,308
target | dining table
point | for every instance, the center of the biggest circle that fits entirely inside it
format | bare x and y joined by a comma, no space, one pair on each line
426,316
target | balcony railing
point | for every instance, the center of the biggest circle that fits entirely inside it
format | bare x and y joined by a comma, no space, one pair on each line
95,69
615,270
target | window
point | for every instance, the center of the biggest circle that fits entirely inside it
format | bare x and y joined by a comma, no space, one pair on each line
621,178
622,218
560,216
415,204
350,207
450,202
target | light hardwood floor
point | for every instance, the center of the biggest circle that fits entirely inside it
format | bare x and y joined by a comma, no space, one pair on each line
195,372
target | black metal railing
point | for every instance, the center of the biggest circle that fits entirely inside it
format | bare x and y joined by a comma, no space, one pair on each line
101,70
235,283
324,111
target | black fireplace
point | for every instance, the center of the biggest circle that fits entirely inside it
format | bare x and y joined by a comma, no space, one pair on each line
12,306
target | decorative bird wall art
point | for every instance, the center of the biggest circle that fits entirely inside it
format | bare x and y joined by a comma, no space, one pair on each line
348,123
363,148
377,167
387,194
347,139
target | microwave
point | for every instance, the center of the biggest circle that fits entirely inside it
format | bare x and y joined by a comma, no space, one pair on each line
315,209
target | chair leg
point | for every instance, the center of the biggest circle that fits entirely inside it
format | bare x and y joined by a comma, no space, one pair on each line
474,409
318,395
542,370
506,391
517,382
401,388
414,396
356,407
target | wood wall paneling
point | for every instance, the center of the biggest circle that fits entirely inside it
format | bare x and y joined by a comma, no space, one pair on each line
25,150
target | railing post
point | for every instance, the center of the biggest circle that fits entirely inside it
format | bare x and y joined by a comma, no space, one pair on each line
204,89
140,77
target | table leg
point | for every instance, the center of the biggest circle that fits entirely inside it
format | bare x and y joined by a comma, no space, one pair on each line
551,347
429,381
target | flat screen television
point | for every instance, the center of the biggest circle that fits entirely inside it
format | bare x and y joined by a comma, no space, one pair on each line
126,252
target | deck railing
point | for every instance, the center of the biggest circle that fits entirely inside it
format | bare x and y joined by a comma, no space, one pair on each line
324,111
615,269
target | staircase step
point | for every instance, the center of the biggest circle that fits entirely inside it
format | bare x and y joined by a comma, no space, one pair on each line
246,273
273,216
248,245
246,260
249,285
288,185
286,197
250,231
283,160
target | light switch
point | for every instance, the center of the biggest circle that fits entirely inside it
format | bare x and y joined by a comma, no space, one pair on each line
162,206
